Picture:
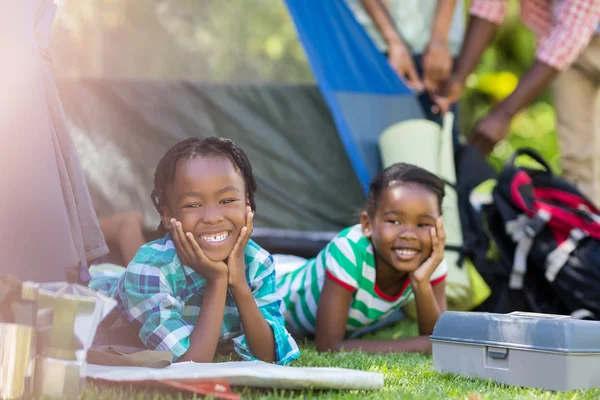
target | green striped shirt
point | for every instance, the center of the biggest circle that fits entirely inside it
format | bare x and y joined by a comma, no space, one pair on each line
347,260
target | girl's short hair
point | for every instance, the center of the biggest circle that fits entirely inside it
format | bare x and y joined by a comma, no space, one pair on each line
402,174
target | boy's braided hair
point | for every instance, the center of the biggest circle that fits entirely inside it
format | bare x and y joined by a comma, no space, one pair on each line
195,147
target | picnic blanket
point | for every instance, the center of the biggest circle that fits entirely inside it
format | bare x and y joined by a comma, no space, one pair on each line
118,356
245,373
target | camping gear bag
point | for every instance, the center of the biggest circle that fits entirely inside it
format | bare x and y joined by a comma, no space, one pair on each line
548,232
473,169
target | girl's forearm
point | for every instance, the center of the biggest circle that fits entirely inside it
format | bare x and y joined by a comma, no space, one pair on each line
428,310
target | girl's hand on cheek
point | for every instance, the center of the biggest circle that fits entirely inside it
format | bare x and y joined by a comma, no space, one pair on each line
236,262
438,242
191,254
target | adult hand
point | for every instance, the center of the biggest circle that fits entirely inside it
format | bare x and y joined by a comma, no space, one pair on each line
191,254
236,263
449,92
489,131
438,241
401,61
437,65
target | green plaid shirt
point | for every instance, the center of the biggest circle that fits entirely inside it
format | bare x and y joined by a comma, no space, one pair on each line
163,297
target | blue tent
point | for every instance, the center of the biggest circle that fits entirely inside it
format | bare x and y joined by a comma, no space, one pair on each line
364,94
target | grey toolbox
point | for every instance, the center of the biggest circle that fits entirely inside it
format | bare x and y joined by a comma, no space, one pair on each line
552,352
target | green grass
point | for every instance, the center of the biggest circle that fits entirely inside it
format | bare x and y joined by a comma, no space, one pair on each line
407,376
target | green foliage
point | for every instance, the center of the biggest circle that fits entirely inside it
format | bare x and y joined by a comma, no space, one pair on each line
407,376
208,40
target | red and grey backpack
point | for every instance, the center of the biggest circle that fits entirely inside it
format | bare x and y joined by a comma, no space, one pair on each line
548,235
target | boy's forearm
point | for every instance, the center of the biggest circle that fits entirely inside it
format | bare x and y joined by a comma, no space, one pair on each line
382,22
442,21
259,334
205,336
428,310
530,86
479,35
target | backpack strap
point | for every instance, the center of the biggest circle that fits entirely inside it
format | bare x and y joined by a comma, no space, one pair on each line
589,213
523,231
558,257
531,153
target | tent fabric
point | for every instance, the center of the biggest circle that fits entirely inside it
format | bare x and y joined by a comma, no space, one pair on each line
49,228
122,128
367,98
362,91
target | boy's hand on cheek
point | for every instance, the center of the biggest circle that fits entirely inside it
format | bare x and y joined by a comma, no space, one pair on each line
438,241
191,254
236,264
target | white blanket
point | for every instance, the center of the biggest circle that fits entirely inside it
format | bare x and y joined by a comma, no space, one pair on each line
247,373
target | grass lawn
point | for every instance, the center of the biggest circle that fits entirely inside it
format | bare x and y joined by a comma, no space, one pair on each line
407,376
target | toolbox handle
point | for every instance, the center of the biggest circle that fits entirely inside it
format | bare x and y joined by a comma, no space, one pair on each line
538,315
499,353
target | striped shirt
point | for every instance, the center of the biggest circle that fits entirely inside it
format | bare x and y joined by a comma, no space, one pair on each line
162,297
347,260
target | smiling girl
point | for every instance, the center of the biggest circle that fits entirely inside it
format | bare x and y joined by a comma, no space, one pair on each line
372,269
205,282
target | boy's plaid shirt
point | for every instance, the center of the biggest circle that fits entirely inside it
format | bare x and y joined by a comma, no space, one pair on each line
162,297
563,28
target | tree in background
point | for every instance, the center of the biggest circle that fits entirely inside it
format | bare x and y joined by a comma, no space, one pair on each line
254,41
208,40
